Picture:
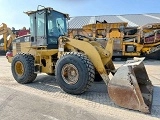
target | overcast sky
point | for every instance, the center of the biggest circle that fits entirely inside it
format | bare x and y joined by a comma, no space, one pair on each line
11,11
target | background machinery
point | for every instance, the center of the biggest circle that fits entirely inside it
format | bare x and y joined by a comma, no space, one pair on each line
142,41
74,61
8,35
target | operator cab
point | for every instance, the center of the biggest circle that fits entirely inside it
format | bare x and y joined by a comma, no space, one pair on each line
46,26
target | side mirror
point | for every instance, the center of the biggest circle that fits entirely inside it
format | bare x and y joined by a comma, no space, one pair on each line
32,39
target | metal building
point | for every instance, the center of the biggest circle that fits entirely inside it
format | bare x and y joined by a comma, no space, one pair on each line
134,20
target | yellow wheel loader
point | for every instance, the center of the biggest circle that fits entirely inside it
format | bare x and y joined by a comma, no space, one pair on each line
74,62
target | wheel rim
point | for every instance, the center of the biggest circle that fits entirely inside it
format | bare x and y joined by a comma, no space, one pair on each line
70,74
19,68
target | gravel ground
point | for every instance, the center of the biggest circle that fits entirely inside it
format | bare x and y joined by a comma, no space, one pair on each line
96,100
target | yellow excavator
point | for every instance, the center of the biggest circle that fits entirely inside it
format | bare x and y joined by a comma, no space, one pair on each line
74,62
7,38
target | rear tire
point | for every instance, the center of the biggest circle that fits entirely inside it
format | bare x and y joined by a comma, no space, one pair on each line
23,68
74,73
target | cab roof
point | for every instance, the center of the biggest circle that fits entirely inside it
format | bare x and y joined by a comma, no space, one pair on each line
45,8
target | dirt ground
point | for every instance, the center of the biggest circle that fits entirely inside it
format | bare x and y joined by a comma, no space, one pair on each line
95,102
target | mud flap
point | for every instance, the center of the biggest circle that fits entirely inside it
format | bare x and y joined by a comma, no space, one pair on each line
130,87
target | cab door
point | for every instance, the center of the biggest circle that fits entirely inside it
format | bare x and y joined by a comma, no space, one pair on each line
33,29
41,28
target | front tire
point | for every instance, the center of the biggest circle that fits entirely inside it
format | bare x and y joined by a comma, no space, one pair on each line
74,73
23,68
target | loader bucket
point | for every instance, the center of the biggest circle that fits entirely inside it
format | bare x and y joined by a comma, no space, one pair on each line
130,87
